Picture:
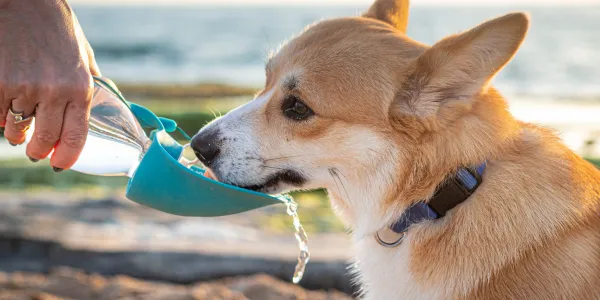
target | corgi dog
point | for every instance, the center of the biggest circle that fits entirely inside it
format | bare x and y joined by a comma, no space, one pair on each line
447,195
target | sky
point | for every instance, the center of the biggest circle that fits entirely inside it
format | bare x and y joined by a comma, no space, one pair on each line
346,2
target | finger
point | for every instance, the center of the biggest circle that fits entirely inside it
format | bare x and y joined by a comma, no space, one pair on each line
15,128
48,125
94,69
73,135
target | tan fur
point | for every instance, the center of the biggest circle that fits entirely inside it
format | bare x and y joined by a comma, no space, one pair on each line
394,117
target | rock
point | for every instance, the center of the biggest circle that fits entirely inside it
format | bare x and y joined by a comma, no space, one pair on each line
19,254
65,283
268,288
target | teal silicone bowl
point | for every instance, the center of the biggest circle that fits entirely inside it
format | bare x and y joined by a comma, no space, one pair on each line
162,183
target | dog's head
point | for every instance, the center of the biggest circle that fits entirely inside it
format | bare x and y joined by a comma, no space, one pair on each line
355,106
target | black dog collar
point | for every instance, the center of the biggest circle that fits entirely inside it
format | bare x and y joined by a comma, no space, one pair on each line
448,195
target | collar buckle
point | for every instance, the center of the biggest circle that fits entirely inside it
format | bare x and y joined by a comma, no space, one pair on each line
396,241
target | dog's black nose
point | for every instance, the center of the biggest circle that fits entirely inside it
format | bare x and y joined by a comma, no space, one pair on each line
206,146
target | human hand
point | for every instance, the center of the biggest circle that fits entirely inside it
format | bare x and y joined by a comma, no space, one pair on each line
46,69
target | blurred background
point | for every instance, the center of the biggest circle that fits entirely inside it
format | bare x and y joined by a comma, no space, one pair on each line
75,236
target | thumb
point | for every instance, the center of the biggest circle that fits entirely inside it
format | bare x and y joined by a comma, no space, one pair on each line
94,69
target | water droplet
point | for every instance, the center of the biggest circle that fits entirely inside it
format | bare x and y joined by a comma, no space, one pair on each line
304,256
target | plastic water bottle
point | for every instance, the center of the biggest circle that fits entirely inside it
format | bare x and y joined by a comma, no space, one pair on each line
116,141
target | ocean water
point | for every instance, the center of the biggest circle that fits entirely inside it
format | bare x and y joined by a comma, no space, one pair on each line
560,57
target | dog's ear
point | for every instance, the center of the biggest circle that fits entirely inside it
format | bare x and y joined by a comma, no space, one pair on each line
459,67
394,12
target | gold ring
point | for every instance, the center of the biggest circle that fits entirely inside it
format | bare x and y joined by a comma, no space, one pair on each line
19,118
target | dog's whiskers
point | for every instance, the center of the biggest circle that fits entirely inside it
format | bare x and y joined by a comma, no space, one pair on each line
285,157
213,112
276,168
200,155
335,181
334,174
337,171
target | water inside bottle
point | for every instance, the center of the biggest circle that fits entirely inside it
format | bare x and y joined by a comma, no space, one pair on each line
115,143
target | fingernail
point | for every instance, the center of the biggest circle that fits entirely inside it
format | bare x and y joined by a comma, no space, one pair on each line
57,170
33,159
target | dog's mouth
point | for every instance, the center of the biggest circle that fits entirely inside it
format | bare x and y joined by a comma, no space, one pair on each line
290,177
271,183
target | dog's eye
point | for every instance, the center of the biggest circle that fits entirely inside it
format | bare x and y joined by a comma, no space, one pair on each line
295,109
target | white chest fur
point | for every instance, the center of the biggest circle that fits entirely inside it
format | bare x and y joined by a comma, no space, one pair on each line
384,272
